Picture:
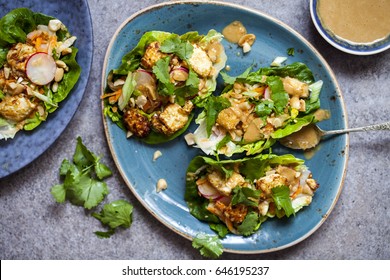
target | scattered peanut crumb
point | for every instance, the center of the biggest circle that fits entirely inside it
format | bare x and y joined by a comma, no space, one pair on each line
156,155
161,185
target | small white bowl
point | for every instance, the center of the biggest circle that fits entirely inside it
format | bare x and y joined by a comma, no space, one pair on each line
343,45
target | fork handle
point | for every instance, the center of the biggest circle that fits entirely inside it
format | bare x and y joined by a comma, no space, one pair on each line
380,126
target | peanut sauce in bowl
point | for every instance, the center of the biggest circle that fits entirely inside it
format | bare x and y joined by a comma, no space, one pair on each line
354,26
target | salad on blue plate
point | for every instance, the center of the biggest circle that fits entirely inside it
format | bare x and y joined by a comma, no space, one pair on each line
38,69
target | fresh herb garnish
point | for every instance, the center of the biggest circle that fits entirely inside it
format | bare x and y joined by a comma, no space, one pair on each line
115,214
82,183
83,186
290,51
281,197
209,246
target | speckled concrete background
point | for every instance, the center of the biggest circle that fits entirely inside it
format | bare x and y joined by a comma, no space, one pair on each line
33,226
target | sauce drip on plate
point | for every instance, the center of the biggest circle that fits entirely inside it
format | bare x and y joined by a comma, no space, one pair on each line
357,21
234,31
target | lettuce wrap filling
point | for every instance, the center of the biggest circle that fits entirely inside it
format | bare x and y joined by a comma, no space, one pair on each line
255,109
237,196
152,94
38,69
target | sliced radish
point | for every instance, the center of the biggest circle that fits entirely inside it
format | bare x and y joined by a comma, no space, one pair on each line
41,68
208,191
225,199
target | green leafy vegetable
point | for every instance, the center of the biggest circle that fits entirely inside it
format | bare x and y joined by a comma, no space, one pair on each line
14,28
290,51
264,108
161,70
278,95
220,229
175,45
246,196
250,224
208,245
281,197
214,105
115,214
80,185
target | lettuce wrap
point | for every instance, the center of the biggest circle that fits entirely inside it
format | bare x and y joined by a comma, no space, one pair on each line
38,69
236,196
257,108
152,94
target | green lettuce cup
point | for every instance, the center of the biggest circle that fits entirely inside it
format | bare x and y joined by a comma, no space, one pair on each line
237,196
256,109
38,69
153,93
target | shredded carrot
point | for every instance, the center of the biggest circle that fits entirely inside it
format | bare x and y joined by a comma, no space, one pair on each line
113,96
38,43
260,90
297,192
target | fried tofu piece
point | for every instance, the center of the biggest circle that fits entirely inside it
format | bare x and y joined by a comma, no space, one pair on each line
224,186
270,181
200,62
228,119
295,87
173,118
16,108
152,55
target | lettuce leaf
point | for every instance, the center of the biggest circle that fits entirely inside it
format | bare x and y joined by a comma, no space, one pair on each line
251,169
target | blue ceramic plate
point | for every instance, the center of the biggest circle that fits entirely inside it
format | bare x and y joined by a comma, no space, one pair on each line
27,146
135,159
343,45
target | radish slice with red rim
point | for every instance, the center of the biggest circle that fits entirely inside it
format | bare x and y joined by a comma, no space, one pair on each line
208,191
41,68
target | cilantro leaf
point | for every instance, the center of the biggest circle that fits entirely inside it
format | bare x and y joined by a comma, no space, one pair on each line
220,229
278,95
92,191
59,193
80,186
264,108
65,166
174,44
246,196
161,70
281,197
115,214
85,159
250,224
209,246
214,105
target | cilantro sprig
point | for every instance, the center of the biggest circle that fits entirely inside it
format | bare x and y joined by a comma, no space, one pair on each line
83,186
210,246
82,183
115,214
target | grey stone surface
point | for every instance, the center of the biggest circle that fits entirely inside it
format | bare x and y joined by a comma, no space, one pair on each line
34,226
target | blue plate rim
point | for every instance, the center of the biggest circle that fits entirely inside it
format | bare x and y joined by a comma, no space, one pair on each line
345,46
278,22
